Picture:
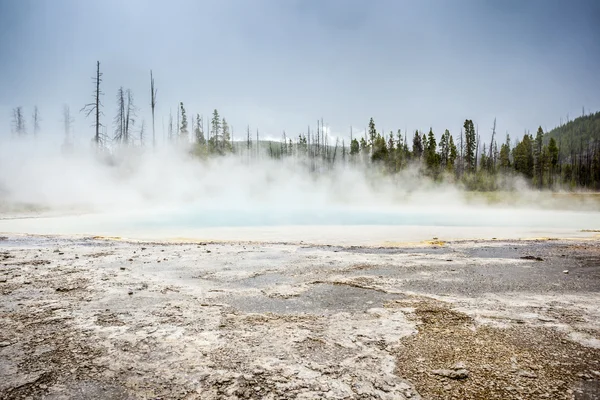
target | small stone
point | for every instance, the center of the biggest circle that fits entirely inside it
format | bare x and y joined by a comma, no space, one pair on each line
130,292
526,374
3,279
459,365
5,343
60,253
447,388
122,268
452,374
566,271
130,259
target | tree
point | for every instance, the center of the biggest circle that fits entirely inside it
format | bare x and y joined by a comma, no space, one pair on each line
153,92
470,146
248,139
379,149
142,132
199,131
505,154
431,156
67,120
183,130
372,132
130,115
523,156
538,170
36,120
119,120
215,130
354,147
94,107
18,121
452,154
553,152
226,144
417,148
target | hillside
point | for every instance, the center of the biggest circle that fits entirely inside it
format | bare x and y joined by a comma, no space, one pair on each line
577,135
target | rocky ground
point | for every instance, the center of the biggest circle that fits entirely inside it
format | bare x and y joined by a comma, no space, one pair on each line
95,318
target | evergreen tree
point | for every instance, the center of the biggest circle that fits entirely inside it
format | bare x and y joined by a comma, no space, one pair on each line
505,154
452,154
199,131
226,144
215,131
523,156
470,146
538,170
354,147
372,133
431,156
183,131
417,149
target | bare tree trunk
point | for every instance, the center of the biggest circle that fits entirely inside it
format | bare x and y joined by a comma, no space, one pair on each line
153,92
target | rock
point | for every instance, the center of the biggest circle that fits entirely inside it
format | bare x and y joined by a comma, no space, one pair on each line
459,365
526,374
566,271
451,373
546,319
587,377
5,343
60,253
122,268
130,292
3,279
534,258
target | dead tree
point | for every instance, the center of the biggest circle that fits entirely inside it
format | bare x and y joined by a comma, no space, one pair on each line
153,92
67,123
130,115
95,106
119,120
18,121
142,133
36,121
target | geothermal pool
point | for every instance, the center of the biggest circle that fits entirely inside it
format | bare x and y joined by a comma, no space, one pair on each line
339,225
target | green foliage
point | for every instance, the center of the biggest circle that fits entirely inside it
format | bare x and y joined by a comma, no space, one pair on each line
470,144
417,148
354,147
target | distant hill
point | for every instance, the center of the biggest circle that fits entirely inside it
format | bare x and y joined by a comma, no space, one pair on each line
577,135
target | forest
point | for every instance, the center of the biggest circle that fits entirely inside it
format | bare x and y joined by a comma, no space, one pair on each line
565,158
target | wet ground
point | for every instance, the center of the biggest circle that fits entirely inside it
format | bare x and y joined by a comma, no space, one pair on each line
94,318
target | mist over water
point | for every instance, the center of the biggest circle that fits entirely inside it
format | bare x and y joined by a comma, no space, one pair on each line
167,191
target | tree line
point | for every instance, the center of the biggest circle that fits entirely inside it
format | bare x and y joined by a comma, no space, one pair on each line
569,156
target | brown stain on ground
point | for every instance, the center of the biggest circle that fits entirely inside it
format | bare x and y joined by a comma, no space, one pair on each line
497,359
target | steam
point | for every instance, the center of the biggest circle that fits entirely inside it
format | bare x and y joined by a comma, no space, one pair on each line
151,188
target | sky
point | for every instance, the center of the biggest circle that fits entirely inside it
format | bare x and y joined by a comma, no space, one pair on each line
280,65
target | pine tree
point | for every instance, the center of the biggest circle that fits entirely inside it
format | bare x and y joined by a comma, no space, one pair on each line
372,133
215,132
538,171
505,154
417,148
354,147
470,146
431,156
452,154
199,131
226,137
183,130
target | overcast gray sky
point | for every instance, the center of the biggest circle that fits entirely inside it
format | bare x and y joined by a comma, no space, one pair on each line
282,64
